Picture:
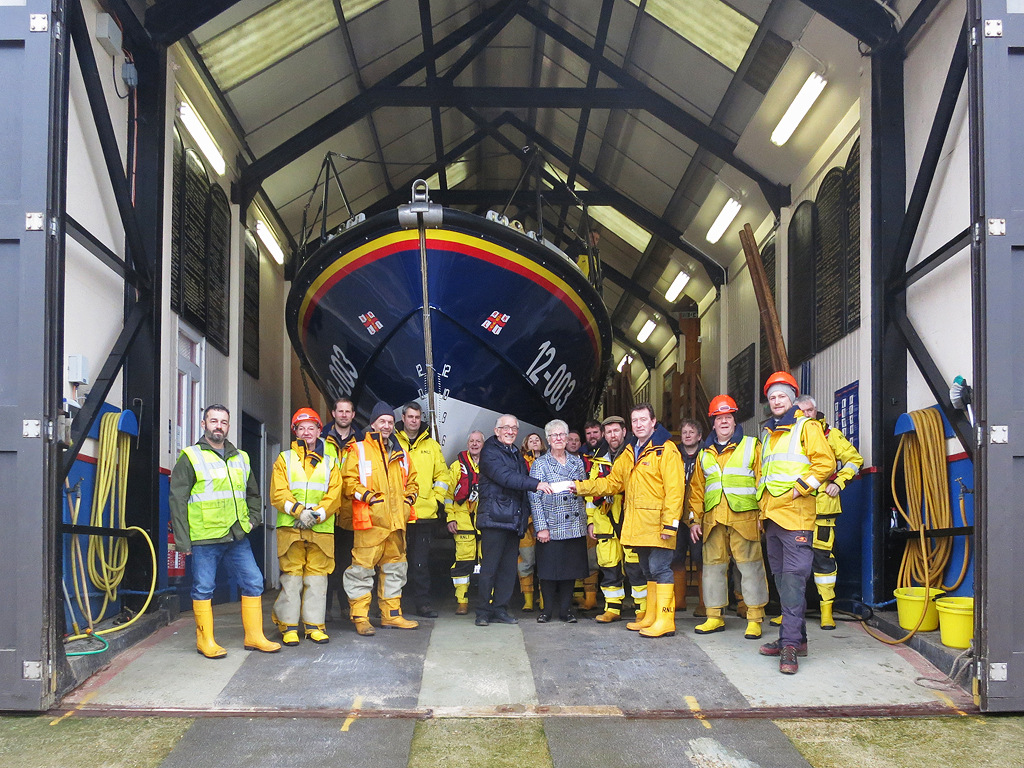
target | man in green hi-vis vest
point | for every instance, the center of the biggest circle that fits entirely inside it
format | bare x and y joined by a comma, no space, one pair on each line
214,503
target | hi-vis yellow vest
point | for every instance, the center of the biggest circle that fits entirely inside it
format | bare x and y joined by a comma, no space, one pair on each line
784,464
307,490
736,481
218,497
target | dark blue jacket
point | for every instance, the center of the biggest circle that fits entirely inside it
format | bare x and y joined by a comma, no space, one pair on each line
504,481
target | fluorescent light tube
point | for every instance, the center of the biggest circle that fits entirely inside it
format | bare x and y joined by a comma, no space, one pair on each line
646,331
626,360
809,93
728,213
677,286
267,238
202,137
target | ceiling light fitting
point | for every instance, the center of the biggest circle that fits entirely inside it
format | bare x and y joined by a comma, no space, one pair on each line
646,331
266,236
677,286
626,360
803,102
725,218
202,137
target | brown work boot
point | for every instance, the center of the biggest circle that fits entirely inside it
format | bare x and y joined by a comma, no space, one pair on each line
788,664
391,614
608,617
462,609
357,613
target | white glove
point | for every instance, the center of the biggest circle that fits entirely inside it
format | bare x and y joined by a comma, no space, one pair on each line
320,514
307,519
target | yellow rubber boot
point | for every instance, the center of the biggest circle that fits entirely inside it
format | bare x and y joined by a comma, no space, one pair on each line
252,622
650,614
714,623
203,610
358,613
526,587
827,622
391,614
290,635
665,623
578,595
753,630
589,592
317,633
777,621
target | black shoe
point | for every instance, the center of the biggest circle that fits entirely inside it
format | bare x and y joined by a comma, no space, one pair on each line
481,621
544,618
504,618
569,618
426,612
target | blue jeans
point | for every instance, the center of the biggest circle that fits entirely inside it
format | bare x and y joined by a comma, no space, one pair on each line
656,563
237,556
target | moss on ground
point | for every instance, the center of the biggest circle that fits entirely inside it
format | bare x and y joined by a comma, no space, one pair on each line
980,742
99,742
495,743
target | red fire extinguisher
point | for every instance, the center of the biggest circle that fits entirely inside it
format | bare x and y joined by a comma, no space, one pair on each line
175,560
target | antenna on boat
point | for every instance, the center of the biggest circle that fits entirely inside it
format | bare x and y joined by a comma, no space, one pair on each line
419,214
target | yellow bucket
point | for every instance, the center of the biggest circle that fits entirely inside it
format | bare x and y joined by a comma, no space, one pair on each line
956,621
910,601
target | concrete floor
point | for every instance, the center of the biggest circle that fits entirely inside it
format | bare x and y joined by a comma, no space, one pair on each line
560,695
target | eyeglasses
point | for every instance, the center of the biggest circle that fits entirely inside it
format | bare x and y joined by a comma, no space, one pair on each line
558,436
508,429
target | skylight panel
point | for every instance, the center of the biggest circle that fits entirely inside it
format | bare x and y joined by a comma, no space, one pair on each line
267,37
624,227
715,27
455,173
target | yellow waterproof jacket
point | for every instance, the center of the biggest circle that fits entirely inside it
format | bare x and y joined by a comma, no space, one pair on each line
282,498
425,454
745,523
848,464
391,474
604,512
797,514
653,483
463,513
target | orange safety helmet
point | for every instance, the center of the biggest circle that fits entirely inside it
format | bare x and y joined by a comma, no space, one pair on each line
720,405
781,377
306,414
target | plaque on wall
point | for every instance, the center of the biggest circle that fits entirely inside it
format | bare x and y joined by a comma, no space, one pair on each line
846,413
218,254
852,194
803,237
195,191
177,183
830,269
766,368
741,383
251,308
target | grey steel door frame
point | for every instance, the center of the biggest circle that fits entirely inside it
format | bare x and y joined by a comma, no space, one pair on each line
33,91
997,114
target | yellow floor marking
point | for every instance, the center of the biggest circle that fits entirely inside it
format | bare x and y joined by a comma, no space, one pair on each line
351,719
691,702
85,700
950,703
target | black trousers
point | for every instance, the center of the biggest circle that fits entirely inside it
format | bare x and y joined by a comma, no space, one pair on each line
499,551
562,604
343,541
418,537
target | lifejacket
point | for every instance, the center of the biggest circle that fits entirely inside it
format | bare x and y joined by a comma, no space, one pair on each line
783,464
217,500
466,490
308,491
736,480
361,509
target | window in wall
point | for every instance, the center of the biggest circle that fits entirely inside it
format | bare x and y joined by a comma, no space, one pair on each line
189,410
251,308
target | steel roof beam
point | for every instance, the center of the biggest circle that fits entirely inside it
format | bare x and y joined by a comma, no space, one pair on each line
867,20
777,195
170,20
485,38
623,339
355,109
633,288
427,32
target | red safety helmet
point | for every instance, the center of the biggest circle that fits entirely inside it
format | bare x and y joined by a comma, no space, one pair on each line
306,414
781,377
721,404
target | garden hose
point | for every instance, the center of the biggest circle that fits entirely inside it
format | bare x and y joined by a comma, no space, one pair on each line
107,556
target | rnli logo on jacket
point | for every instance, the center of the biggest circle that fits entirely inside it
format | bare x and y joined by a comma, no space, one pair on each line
495,322
371,323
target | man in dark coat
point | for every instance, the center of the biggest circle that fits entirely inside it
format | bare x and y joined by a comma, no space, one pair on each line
501,517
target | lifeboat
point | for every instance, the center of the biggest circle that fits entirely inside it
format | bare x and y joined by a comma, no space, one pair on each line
466,315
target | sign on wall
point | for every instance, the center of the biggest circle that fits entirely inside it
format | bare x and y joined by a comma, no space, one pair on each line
846,413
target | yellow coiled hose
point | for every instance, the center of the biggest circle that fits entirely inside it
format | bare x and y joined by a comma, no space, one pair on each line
926,486
107,557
